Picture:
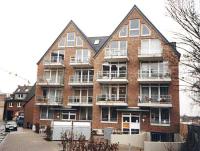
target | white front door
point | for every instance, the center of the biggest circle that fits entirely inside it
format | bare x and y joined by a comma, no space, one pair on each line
130,123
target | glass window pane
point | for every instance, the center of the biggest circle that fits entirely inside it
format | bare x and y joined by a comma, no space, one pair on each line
104,111
145,30
155,115
155,46
43,114
61,42
154,93
114,45
79,41
134,24
50,114
144,46
123,45
165,116
113,114
134,32
123,31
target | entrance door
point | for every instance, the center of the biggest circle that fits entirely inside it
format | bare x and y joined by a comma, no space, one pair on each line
130,124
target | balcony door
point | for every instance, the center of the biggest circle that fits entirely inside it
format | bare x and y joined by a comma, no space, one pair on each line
82,55
57,56
151,46
84,75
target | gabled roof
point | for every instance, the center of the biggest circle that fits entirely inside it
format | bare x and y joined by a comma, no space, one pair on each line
22,89
71,22
101,40
30,95
149,22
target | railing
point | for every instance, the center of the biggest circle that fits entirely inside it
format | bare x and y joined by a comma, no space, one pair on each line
112,75
115,52
81,79
54,60
75,60
80,100
157,121
59,80
49,100
147,53
154,75
162,99
112,98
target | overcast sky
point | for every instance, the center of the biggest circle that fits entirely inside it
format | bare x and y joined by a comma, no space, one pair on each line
29,27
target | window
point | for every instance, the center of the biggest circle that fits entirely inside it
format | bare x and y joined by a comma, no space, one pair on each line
66,115
57,56
61,42
18,104
123,31
162,137
118,45
160,116
70,39
79,41
10,104
96,42
85,113
54,76
108,114
134,28
151,46
20,96
82,55
145,30
46,113
53,95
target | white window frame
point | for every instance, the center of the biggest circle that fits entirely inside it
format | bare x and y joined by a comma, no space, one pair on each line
149,46
108,116
10,104
57,75
19,104
134,29
68,40
69,113
79,37
124,27
63,40
142,26
160,120
82,59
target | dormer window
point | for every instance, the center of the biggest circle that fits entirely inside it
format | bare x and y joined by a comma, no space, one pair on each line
123,31
134,28
96,42
145,30
71,39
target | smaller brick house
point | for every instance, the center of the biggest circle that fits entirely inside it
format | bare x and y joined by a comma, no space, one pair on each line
29,108
14,103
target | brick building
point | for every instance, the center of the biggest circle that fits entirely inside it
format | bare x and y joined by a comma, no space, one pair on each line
2,104
128,80
14,103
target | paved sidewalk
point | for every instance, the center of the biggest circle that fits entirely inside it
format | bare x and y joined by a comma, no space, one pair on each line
26,140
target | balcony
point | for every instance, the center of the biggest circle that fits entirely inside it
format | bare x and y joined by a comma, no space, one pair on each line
155,77
113,100
150,56
50,101
80,63
80,100
59,82
81,80
113,77
162,122
116,55
155,101
54,63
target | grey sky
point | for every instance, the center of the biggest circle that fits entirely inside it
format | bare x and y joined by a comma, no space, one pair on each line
29,27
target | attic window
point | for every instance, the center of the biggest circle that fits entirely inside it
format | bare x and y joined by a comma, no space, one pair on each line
134,28
96,42
123,31
145,30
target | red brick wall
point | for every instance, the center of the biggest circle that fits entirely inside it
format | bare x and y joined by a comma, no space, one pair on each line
28,112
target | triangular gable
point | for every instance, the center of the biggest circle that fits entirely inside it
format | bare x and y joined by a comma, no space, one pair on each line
149,22
71,22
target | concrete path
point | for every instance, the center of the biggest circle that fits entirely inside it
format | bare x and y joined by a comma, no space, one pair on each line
26,140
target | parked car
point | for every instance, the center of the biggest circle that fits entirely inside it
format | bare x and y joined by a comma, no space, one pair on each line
11,126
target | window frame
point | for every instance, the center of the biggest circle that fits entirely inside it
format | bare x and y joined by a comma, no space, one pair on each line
47,114
19,104
69,114
80,40
160,118
10,104
109,115
68,40
142,26
134,29
126,28
64,42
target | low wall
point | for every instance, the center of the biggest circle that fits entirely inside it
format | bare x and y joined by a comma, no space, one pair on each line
162,146
136,140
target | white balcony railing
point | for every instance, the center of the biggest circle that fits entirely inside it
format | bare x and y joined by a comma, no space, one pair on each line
81,79
80,100
112,98
54,61
79,61
44,81
162,99
115,53
154,75
42,100
112,75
